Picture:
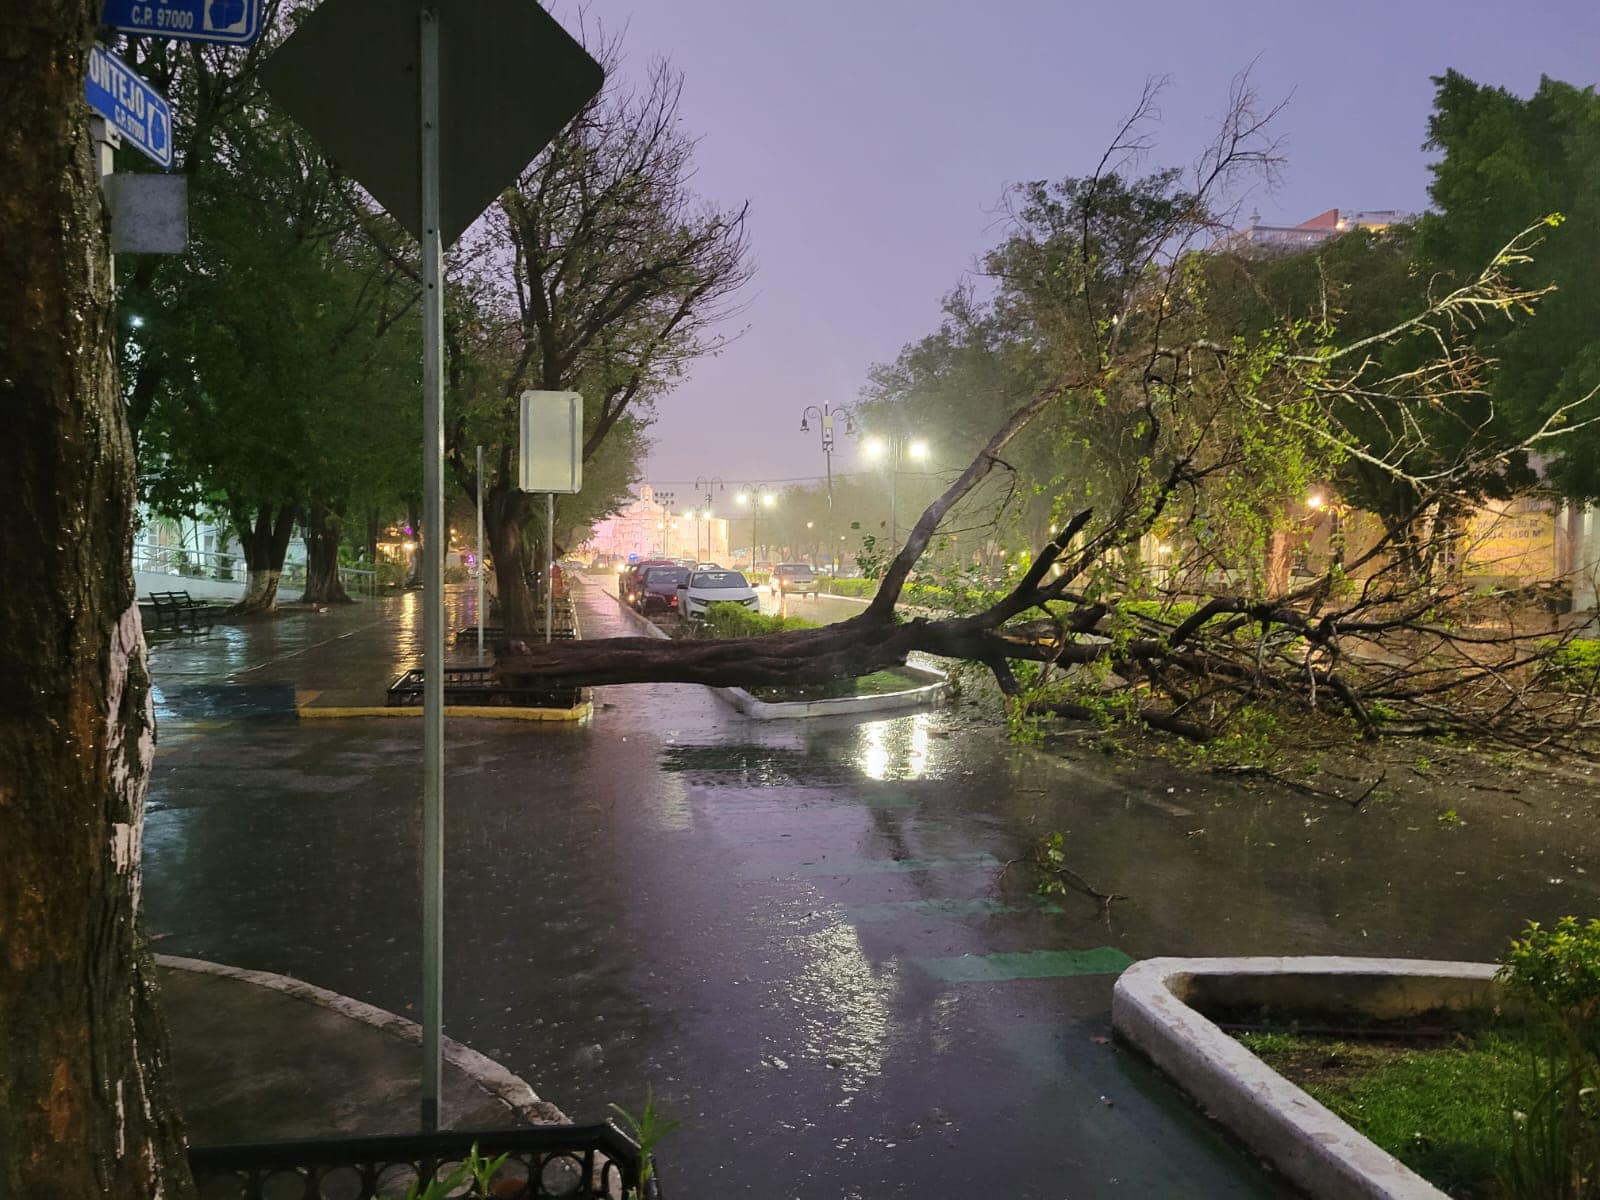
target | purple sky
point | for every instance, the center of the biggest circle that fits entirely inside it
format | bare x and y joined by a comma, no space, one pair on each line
874,139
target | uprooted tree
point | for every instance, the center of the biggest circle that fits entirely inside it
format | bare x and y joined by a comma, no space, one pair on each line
1185,442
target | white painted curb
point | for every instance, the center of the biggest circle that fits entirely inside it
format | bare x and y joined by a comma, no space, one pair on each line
510,1089
1280,1122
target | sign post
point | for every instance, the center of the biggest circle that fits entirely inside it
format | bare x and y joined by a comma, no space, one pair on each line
435,107
480,556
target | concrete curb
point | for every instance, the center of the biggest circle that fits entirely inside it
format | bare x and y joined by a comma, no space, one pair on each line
1150,1009
512,1090
929,694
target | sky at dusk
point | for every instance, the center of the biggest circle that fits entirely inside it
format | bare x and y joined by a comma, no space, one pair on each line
875,139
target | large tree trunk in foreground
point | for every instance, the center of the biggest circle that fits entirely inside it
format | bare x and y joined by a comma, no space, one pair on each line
324,528
505,515
86,1102
265,541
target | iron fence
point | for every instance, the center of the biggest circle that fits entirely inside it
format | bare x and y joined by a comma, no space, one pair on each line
547,1162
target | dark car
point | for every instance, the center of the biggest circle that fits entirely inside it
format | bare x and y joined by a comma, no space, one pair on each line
658,588
794,578
629,580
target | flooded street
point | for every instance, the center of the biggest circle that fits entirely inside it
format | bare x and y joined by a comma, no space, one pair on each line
802,936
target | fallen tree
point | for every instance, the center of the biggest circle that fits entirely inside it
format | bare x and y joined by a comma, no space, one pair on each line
1205,438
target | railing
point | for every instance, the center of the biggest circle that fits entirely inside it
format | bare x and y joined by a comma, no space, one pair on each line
230,568
547,1162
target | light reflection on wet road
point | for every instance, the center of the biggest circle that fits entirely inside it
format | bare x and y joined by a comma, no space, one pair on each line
798,934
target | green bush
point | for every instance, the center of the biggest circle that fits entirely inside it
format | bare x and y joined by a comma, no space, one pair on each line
1555,1143
729,620
1577,661
861,589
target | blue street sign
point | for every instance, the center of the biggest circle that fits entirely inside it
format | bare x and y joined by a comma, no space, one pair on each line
234,22
135,109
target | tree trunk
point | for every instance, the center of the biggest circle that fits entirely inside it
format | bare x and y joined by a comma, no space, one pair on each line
86,1101
505,514
265,541
323,531
414,561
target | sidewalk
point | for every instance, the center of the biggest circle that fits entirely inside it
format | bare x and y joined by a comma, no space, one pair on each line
261,1057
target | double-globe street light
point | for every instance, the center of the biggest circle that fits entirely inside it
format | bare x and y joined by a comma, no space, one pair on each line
826,415
757,496
894,448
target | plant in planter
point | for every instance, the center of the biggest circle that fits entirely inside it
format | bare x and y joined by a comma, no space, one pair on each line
1555,1141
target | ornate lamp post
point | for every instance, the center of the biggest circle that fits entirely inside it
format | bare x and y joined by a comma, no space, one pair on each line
757,496
826,415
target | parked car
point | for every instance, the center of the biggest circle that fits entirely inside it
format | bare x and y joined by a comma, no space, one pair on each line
629,582
791,578
658,588
702,589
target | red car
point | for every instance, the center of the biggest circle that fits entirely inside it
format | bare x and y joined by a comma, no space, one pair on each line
658,588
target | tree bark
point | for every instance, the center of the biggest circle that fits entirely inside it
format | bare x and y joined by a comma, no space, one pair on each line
266,542
86,1100
324,528
505,516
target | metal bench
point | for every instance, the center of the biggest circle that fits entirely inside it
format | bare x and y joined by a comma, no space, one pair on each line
178,611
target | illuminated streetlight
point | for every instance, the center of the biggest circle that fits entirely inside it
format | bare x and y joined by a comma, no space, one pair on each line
1315,500
894,448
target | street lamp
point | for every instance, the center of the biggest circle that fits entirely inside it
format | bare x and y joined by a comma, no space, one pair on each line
826,415
757,496
703,485
893,448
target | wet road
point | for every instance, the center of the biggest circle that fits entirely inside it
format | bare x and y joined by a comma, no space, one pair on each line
797,933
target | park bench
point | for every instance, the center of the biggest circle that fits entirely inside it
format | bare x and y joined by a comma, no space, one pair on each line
179,611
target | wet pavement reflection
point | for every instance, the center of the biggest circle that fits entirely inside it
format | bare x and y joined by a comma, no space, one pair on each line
801,935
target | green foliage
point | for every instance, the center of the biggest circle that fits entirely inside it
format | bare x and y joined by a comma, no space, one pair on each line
475,1170
1504,163
727,620
1557,971
647,1129
1574,663
1555,1135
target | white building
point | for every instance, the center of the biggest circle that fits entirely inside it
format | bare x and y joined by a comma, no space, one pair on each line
1320,228
655,525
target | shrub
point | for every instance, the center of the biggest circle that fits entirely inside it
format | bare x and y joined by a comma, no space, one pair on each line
736,621
1574,662
1555,1144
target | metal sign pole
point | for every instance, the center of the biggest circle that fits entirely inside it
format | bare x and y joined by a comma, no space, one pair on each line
549,564
433,540
480,556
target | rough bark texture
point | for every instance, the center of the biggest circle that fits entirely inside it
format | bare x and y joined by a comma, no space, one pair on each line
265,540
324,528
505,513
86,1106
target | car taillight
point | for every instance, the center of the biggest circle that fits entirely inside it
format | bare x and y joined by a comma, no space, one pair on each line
672,600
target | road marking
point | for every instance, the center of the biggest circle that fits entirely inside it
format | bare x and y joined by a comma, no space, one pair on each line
1031,964
980,906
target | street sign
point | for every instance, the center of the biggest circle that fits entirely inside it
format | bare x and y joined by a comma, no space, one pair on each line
550,457
509,78
135,109
231,22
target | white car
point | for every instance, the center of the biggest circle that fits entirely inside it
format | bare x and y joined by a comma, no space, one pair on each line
705,588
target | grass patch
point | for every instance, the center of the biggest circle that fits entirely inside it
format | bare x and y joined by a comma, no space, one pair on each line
879,683
1442,1108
